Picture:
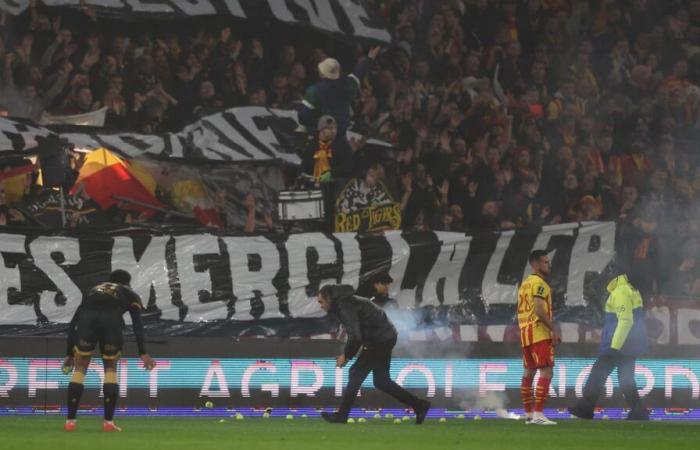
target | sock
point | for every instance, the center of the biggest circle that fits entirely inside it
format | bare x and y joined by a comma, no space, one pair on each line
111,393
526,393
541,393
75,391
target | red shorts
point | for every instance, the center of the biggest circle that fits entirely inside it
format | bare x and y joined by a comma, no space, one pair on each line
538,355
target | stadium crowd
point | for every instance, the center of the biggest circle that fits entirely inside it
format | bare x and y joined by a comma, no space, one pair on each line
503,114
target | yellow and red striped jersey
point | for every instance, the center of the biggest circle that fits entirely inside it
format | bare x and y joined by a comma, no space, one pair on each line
531,328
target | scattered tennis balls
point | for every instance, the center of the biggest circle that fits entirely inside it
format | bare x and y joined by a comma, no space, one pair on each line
362,420
405,418
377,416
209,404
397,421
351,420
477,417
442,420
389,415
289,417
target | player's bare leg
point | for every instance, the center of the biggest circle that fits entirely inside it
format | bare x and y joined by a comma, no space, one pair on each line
541,393
526,393
110,389
80,362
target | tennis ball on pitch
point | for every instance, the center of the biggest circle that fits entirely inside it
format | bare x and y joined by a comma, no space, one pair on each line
397,421
442,420
377,416
209,404
477,417
222,421
304,416
266,415
289,417
362,420
405,418
461,416
389,415
239,416
351,420
605,417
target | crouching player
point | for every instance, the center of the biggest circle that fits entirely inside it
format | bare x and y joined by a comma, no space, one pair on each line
98,320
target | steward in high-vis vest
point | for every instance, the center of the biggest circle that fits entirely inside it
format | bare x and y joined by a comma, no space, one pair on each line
624,339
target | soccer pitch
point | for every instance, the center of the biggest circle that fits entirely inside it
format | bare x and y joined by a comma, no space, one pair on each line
312,433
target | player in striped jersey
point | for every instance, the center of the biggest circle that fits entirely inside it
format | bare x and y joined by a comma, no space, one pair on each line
537,336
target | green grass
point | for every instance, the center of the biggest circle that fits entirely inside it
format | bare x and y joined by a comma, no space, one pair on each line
46,433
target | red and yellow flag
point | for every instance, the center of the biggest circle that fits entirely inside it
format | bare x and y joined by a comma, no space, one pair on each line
107,176
14,182
192,196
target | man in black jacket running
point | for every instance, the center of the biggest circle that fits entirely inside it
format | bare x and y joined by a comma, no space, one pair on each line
372,333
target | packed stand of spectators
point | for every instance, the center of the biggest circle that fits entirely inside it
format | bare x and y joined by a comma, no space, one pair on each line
503,114
66,63
507,114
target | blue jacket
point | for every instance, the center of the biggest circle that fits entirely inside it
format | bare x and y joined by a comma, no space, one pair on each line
625,327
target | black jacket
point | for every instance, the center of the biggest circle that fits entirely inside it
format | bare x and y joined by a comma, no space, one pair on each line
364,322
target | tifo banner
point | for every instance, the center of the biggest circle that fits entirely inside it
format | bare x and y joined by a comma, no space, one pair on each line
455,383
346,17
203,277
241,134
364,208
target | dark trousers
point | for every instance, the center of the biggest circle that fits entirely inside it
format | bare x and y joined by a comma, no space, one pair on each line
595,384
376,359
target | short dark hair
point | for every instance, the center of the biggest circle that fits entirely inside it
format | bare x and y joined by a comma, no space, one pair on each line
326,291
120,276
382,277
536,254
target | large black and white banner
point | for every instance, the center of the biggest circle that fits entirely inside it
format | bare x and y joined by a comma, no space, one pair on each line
248,133
346,17
209,280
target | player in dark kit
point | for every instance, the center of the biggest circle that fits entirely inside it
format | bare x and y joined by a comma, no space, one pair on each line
98,320
372,334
